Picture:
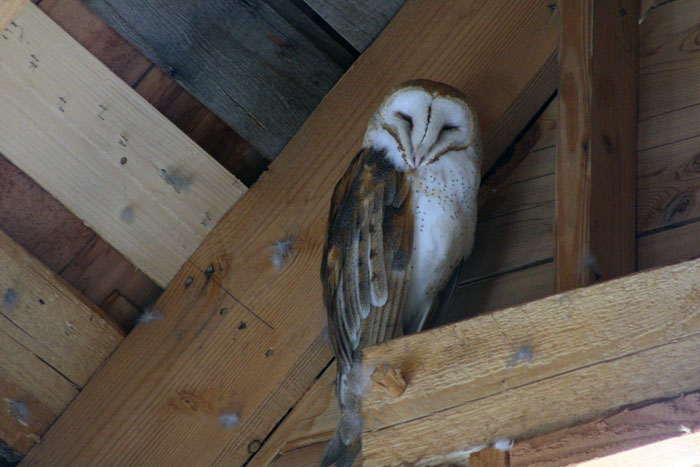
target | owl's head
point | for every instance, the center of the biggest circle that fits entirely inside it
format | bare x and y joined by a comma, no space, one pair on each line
420,121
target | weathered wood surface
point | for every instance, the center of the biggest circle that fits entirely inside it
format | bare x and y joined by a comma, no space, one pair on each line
292,197
51,341
8,10
669,98
626,430
531,369
596,141
246,61
116,162
358,21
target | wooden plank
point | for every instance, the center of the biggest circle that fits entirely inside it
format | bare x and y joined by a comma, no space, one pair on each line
293,197
221,48
52,340
38,222
668,190
121,57
48,317
503,290
32,395
620,432
9,9
531,369
358,21
150,191
668,246
596,155
668,65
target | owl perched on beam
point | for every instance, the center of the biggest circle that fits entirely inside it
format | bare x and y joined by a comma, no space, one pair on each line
402,220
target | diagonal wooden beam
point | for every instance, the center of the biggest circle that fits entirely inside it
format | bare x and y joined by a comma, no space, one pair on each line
51,342
531,369
596,141
103,151
240,335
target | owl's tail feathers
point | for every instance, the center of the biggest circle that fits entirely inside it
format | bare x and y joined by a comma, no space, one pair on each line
340,454
346,443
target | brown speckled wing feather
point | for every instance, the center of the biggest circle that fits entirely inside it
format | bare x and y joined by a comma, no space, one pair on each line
366,261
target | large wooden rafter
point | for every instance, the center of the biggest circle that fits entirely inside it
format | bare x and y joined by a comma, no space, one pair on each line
531,369
239,336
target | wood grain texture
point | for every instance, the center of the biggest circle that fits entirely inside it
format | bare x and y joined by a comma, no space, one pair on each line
121,310
669,246
668,59
50,318
9,9
52,340
358,21
668,191
596,135
293,197
121,57
531,369
151,191
217,49
626,430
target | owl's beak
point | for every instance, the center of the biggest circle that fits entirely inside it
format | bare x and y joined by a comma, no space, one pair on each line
418,157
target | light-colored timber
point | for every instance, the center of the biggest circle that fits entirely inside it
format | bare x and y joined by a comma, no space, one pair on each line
103,151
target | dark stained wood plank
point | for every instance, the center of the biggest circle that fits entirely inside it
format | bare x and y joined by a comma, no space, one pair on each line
35,220
100,269
668,58
628,429
596,144
668,246
293,196
358,21
668,191
243,60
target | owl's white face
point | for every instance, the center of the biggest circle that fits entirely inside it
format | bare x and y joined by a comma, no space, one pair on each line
421,121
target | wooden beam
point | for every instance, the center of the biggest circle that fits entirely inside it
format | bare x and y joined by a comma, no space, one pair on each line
596,161
531,369
629,429
262,66
358,21
114,160
286,349
9,9
51,340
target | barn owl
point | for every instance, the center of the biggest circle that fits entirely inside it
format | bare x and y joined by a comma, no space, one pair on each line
402,220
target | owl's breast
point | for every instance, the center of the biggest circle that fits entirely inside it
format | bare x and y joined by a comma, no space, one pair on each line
444,197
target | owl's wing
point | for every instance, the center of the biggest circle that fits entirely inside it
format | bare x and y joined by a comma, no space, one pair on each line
367,255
